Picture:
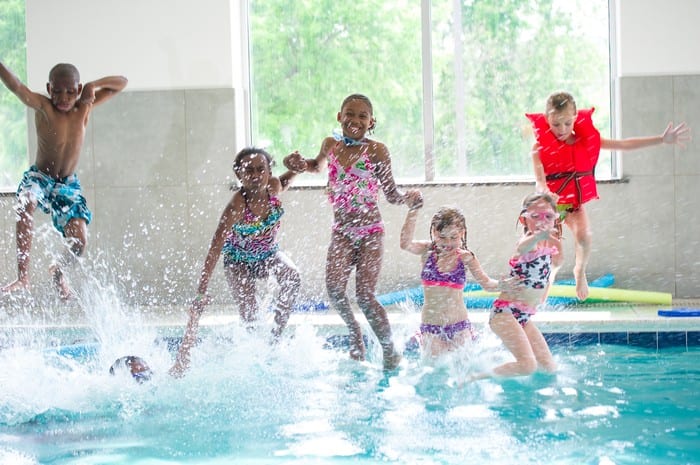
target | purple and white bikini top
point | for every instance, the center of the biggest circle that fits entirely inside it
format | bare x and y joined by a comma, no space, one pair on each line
432,276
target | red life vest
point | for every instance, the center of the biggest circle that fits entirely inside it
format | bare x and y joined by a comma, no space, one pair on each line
569,168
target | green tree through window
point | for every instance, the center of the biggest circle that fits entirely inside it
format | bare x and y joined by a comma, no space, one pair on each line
13,119
491,61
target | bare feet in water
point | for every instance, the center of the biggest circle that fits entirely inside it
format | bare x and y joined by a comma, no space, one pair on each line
59,280
17,285
357,347
392,361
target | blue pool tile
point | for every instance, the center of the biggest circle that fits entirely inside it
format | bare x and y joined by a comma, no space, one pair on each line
583,339
555,339
693,338
614,338
647,340
672,339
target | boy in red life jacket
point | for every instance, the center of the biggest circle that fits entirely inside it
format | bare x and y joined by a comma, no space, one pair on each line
564,157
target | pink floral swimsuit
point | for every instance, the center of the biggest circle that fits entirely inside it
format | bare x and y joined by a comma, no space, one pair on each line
353,190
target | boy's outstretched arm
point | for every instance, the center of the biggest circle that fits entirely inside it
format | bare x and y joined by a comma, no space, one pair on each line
17,87
101,90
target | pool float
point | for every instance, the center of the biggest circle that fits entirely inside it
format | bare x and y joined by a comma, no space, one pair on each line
679,312
609,294
475,297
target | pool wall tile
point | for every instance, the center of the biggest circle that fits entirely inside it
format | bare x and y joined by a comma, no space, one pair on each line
614,338
555,339
672,339
693,338
648,340
585,338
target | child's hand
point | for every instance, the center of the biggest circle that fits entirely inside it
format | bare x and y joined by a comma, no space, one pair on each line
295,162
509,284
87,96
677,135
554,237
414,199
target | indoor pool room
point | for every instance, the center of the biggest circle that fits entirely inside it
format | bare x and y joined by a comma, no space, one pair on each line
402,232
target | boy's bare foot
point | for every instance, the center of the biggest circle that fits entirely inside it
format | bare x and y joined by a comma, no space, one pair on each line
392,361
357,347
581,284
15,286
64,291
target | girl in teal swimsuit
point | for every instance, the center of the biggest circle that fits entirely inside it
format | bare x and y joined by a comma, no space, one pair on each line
358,168
247,237
445,324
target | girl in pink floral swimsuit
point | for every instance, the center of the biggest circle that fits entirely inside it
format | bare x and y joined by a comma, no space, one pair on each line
357,168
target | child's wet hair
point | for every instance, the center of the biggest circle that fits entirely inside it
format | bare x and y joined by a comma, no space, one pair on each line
64,70
252,151
560,101
125,363
449,216
362,97
534,198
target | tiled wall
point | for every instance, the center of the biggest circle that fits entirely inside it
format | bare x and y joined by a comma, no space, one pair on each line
157,167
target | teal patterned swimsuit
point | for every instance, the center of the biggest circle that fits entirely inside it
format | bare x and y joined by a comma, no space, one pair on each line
254,239
62,197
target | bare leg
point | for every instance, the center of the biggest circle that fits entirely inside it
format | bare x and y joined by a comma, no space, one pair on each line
242,286
338,268
24,230
369,265
75,233
540,348
578,222
516,341
287,276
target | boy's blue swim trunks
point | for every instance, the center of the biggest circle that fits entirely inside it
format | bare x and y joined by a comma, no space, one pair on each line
62,198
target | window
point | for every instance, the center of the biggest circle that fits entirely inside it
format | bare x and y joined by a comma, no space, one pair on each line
13,116
450,80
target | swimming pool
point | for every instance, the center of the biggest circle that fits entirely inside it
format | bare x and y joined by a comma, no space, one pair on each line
246,402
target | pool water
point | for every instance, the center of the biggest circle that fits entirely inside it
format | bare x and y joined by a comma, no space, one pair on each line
247,402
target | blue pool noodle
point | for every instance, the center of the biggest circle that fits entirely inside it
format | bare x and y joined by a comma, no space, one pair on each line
679,312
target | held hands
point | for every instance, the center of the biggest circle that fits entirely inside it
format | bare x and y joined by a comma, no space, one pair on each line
295,162
414,199
509,284
677,135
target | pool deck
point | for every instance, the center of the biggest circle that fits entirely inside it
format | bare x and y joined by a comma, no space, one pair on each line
601,317
596,323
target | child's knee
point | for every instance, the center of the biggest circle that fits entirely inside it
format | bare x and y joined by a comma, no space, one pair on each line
336,293
528,365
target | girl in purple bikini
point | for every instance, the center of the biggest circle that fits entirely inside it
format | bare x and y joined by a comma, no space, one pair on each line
445,324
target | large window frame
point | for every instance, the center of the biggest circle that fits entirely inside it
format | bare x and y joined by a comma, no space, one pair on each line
428,104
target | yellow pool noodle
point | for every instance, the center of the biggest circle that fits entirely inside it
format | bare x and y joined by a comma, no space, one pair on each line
598,293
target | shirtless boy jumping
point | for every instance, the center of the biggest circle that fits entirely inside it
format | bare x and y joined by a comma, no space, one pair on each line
51,183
